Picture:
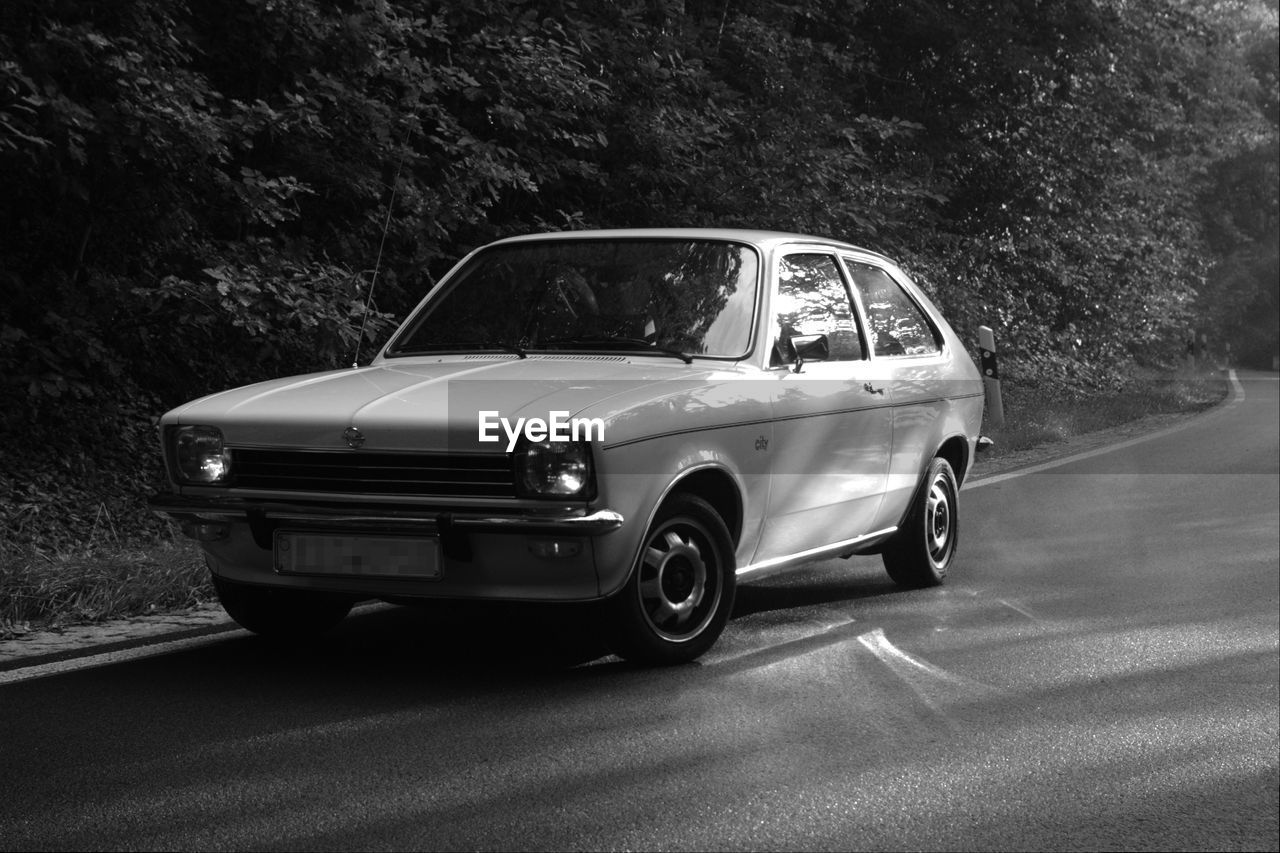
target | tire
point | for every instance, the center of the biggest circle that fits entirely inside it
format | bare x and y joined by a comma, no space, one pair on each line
921,553
681,590
281,613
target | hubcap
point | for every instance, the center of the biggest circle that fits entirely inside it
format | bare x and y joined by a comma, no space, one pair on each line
678,589
937,521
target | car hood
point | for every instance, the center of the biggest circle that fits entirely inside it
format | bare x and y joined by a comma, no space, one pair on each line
436,404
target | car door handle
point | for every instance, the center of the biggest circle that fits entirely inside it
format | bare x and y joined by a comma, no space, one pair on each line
871,389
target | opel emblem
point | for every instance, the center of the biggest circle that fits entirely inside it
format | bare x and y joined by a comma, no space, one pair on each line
353,437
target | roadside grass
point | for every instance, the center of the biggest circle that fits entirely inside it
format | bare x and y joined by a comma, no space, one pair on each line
41,590
1039,416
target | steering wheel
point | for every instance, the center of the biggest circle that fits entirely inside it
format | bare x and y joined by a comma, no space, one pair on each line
570,284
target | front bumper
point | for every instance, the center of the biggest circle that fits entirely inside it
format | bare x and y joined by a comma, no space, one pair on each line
546,554
553,521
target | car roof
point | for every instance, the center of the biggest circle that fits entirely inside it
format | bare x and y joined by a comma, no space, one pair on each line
760,238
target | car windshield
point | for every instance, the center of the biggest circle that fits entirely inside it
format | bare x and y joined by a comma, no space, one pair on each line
690,297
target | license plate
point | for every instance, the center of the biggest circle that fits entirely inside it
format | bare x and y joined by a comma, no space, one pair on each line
356,555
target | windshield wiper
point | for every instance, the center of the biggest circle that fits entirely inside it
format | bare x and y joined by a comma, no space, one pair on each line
618,343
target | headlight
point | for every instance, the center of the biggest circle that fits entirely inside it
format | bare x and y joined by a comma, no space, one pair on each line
199,455
554,469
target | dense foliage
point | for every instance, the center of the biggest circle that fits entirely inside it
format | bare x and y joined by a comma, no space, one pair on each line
199,193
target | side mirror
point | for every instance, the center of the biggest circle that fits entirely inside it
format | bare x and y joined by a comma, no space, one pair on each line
809,348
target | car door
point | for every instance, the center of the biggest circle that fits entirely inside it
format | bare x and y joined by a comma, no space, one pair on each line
908,349
832,417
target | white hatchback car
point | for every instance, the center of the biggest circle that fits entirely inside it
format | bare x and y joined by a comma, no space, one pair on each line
636,417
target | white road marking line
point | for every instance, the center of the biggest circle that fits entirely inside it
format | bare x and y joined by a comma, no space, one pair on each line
907,668
878,644
1017,609
935,687
14,676
827,629
1237,397
27,673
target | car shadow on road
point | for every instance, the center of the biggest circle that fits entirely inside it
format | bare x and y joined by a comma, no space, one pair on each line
453,637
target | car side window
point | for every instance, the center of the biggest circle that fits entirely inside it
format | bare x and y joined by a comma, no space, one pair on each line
898,326
813,300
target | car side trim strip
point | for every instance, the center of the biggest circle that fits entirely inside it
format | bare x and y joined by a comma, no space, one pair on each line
803,416
756,422
833,548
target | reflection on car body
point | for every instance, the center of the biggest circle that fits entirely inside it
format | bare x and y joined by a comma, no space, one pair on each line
760,400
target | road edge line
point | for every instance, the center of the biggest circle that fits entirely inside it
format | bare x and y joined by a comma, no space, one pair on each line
1235,398
41,670
226,631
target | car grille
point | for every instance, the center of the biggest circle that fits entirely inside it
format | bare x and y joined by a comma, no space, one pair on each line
485,475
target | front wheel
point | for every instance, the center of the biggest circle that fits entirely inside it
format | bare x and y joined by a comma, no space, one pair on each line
921,553
281,613
680,594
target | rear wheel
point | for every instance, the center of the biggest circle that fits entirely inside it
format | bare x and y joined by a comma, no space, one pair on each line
921,553
281,613
681,592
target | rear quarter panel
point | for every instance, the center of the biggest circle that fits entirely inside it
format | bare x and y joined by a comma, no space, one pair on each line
935,399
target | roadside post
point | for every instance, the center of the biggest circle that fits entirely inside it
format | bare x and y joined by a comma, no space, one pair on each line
991,377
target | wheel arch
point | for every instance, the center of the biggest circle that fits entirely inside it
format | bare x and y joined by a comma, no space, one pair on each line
711,482
716,486
956,451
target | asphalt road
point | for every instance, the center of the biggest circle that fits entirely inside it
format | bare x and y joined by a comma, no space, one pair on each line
1100,672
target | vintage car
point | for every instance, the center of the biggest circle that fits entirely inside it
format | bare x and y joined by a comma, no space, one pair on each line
638,418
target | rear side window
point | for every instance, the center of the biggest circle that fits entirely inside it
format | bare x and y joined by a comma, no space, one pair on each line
897,325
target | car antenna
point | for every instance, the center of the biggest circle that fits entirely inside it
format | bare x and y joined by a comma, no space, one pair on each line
377,264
